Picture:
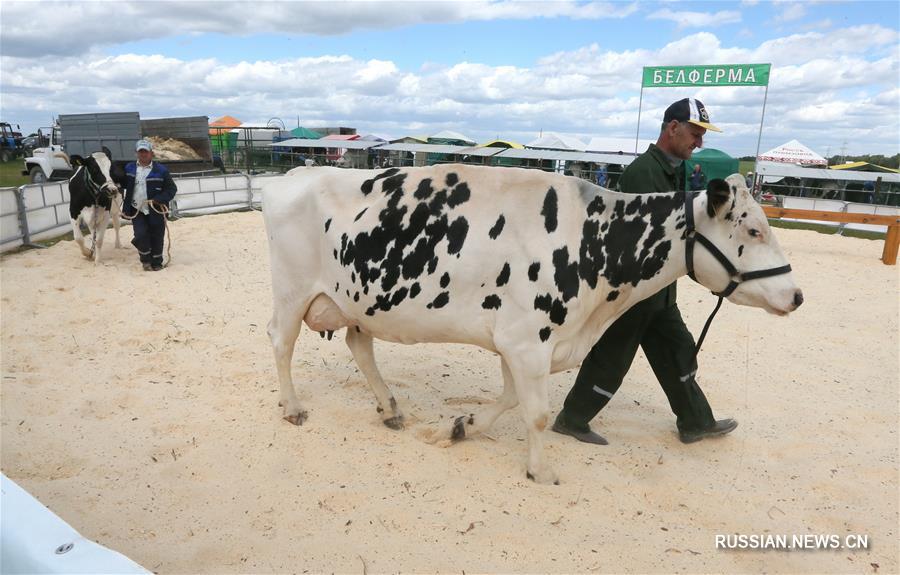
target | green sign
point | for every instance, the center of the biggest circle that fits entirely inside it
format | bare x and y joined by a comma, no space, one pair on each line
714,75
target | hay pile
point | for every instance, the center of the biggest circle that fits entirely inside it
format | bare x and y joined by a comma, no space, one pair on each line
170,149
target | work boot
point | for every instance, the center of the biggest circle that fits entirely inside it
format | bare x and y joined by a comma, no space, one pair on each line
721,427
584,434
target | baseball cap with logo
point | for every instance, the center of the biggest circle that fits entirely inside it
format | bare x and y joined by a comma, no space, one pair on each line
689,110
143,145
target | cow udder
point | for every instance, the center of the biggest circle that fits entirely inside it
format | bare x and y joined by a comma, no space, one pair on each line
324,315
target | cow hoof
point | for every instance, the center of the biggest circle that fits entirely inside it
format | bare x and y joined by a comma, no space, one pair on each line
459,429
395,422
545,478
459,426
296,418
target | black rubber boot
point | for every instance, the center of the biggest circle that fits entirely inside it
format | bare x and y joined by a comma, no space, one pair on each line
581,434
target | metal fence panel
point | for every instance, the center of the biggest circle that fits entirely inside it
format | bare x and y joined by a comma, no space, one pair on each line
813,204
870,209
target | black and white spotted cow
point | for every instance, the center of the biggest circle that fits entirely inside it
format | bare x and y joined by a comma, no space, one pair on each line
531,265
93,191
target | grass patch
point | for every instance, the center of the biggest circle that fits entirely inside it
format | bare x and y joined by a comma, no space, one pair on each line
823,229
11,173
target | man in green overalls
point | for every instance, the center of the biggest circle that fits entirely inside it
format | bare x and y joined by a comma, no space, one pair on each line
655,323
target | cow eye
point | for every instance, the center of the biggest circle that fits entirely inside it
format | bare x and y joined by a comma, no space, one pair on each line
754,233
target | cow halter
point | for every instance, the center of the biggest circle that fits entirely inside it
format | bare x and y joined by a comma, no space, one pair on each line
96,190
735,278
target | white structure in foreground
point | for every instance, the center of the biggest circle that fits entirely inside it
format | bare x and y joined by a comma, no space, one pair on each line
34,540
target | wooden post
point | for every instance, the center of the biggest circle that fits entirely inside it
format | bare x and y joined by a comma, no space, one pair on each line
891,245
891,240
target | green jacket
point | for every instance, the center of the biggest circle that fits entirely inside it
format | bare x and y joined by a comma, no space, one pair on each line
651,173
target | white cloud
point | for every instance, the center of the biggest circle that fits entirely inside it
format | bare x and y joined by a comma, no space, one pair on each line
686,19
791,11
823,88
108,23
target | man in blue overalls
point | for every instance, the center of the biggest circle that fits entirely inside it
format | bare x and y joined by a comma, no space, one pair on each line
148,190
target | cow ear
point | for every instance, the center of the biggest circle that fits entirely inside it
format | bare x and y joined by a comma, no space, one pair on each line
718,193
76,160
108,152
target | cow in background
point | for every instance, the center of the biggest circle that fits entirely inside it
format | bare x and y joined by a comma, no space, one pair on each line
95,197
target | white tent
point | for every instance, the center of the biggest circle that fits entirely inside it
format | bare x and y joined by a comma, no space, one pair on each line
554,141
451,135
793,152
617,145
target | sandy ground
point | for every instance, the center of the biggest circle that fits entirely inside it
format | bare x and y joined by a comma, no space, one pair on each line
142,408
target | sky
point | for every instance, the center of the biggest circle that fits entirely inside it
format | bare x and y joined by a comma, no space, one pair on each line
507,69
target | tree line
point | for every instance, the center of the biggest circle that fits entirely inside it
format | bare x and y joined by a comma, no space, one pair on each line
877,159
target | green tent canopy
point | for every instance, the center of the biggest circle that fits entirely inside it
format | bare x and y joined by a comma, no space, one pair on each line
714,163
301,132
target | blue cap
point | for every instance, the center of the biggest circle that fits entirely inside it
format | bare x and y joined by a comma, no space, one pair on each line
143,145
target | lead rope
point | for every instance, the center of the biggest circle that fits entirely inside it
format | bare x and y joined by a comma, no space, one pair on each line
706,327
164,212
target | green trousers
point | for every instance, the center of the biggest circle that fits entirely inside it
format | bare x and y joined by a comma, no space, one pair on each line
656,326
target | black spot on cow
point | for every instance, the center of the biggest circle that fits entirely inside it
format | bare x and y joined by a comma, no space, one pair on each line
549,210
337,286
504,275
440,300
437,203
353,277
459,195
590,253
740,250
627,259
494,232
452,179
456,235
399,296
633,206
558,312
544,333
347,292
370,311
327,224
611,296
360,214
533,270
366,187
445,280
555,308
491,302
432,265
543,302
335,254
356,296
424,190
596,206
730,215
414,290
565,273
